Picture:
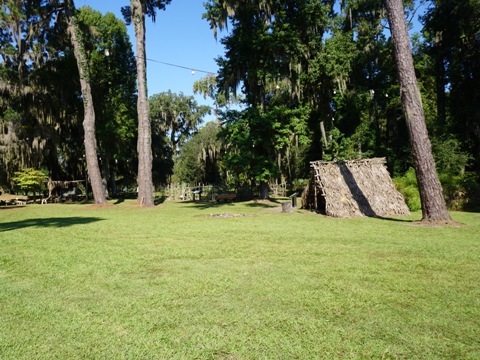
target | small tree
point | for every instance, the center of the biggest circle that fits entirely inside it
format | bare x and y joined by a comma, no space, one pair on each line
30,180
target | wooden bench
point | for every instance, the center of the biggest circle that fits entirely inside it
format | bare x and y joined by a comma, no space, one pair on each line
226,197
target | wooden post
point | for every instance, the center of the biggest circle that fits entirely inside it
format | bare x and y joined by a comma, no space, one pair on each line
287,207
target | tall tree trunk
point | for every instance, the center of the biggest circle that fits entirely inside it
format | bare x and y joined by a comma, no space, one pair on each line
433,203
144,146
89,112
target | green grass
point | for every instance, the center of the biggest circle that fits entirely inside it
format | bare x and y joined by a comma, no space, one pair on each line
173,282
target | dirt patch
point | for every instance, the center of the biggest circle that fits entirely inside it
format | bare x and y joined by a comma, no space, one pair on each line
436,224
228,215
100,206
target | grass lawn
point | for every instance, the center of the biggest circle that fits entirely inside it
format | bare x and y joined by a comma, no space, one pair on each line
174,282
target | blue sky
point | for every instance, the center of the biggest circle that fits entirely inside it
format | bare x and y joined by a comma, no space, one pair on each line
179,36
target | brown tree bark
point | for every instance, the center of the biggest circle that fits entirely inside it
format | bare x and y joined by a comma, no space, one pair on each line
434,208
89,112
144,146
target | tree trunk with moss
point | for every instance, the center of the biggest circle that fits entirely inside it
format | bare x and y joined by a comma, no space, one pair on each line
144,146
89,112
434,208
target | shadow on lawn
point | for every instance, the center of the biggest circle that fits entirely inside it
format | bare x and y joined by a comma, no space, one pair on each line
213,204
264,203
205,204
394,219
159,200
47,222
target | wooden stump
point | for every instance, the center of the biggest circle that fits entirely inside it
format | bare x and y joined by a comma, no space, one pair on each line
287,207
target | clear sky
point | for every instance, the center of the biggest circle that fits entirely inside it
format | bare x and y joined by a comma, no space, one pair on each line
179,36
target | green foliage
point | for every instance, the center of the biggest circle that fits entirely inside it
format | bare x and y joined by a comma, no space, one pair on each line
291,138
240,147
338,58
348,75
198,161
151,8
11,115
40,77
455,195
299,185
341,147
451,32
471,183
461,191
449,156
175,118
290,125
408,187
30,180
207,87
459,188
262,146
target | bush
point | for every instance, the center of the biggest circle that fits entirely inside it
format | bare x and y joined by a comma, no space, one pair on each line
461,192
408,187
453,191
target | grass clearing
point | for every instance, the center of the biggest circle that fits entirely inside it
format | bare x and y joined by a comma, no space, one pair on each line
174,282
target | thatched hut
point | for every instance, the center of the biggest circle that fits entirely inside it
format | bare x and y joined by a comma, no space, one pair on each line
353,188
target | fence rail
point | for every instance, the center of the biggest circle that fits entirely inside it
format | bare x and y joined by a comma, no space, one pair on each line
209,192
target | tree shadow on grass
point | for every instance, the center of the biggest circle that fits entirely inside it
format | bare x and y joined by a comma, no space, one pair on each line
119,200
206,204
48,222
395,219
213,204
159,200
264,204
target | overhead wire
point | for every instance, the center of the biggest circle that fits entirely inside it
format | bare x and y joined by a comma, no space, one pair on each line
182,67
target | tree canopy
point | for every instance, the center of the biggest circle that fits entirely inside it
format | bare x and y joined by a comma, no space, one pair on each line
41,106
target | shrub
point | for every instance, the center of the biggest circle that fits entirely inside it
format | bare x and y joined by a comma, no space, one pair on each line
461,192
408,187
453,191
470,182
